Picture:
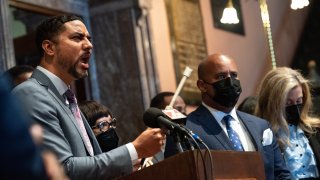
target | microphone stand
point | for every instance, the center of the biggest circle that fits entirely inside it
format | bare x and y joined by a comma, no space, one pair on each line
186,74
186,141
181,135
177,140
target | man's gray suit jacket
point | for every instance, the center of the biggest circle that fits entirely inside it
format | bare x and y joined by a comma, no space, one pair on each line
46,106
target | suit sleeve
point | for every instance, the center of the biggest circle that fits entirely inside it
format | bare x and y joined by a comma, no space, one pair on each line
43,109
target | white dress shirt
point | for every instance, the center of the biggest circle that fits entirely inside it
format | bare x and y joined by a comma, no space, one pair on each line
235,124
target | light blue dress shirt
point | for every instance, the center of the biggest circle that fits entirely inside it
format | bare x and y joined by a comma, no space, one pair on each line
299,156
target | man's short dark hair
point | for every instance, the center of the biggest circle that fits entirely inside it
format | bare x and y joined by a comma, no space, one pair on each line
248,105
50,28
13,74
16,71
158,100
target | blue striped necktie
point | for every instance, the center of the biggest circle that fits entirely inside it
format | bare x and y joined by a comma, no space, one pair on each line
233,136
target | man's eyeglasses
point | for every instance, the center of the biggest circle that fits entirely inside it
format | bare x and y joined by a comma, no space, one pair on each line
105,125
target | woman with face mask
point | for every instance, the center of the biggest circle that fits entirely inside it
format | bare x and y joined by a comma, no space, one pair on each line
102,123
284,100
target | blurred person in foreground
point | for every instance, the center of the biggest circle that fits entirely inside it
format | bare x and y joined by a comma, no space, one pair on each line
21,155
284,100
65,46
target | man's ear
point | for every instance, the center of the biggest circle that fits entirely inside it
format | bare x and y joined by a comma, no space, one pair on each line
48,47
201,85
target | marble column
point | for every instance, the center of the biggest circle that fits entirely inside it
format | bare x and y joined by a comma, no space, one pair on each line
7,58
124,59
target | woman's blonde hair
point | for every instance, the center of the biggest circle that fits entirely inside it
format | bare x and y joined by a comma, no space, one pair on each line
272,97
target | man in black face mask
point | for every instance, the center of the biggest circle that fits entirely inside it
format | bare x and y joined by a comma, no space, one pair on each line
221,126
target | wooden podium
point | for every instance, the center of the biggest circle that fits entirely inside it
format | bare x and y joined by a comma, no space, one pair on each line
189,165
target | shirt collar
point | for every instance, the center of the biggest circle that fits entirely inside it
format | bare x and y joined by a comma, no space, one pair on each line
295,132
61,86
218,115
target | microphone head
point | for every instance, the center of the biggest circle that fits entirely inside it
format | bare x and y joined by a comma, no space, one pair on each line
175,116
150,117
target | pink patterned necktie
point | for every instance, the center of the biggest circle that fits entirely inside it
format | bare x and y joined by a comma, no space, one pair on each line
76,112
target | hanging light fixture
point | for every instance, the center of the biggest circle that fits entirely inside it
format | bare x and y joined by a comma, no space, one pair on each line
229,15
299,4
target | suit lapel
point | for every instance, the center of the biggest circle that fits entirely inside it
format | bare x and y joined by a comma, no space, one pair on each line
210,124
250,126
46,82
94,142
314,140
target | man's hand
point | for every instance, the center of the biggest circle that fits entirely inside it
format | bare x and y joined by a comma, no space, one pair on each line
53,168
149,142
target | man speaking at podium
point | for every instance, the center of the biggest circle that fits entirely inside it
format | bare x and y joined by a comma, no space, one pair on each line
65,46
221,127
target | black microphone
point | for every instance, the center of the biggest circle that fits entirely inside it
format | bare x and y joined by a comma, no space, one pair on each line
155,118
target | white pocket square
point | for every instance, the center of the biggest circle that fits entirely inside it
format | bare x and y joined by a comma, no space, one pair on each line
267,137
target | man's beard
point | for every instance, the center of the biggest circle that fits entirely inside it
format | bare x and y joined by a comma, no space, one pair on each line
73,71
72,68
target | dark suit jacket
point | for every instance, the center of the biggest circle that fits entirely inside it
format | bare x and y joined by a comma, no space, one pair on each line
202,123
314,141
47,107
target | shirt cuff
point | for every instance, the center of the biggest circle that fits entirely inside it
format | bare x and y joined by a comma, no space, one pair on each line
133,153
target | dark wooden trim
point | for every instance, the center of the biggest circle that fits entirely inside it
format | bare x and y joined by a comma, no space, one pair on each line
35,8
